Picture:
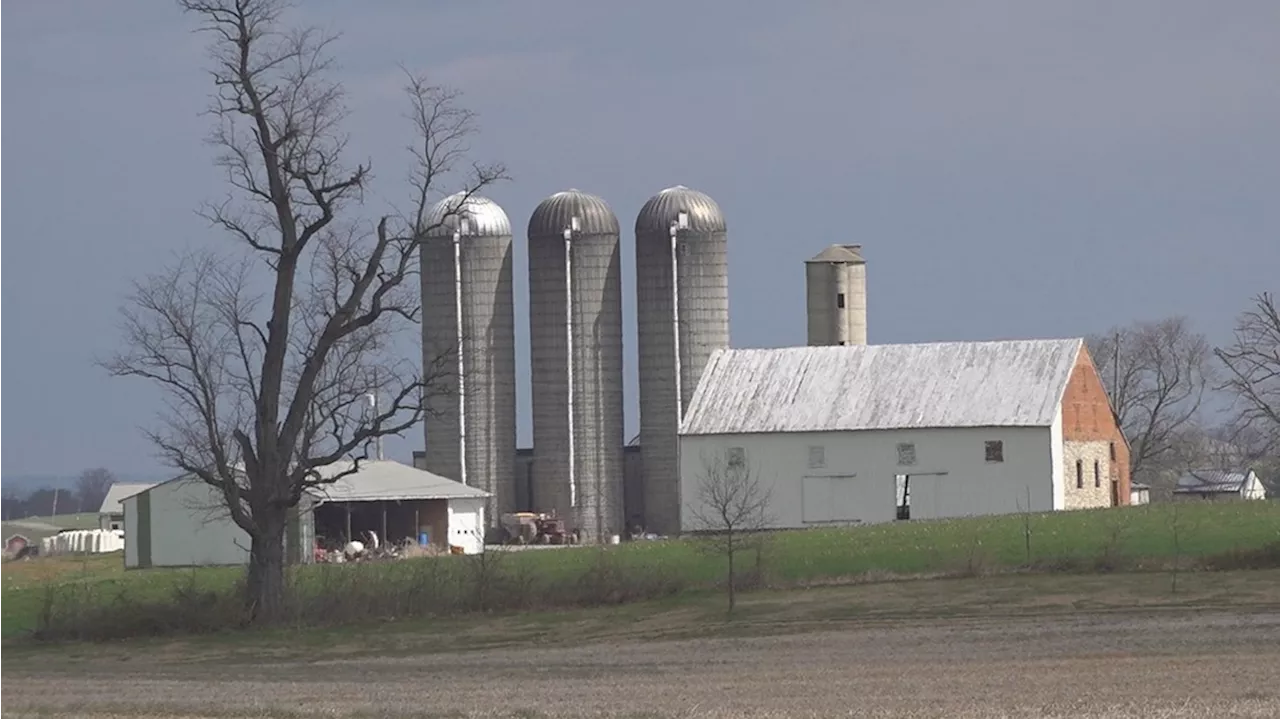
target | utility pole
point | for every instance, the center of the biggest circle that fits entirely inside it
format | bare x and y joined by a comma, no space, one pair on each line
54,511
1115,368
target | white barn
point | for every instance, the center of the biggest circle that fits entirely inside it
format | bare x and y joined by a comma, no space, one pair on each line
183,523
865,434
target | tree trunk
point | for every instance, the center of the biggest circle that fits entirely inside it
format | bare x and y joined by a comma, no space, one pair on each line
733,582
264,590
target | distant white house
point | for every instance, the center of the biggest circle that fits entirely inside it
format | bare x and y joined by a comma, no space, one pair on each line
1219,484
864,434
183,522
111,513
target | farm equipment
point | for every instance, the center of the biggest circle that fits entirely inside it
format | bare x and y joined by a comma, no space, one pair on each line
536,528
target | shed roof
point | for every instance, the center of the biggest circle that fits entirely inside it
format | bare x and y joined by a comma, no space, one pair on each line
378,480
388,480
118,492
1017,383
1198,481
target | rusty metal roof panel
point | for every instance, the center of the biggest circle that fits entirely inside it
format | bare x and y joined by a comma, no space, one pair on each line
1016,383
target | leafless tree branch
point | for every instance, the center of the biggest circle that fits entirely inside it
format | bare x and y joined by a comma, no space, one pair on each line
731,509
268,360
1252,365
1157,374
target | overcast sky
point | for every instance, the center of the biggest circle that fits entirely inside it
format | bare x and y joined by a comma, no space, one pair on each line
1012,169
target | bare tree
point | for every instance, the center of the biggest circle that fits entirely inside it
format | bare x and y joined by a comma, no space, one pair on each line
731,510
268,358
92,487
1157,374
1252,365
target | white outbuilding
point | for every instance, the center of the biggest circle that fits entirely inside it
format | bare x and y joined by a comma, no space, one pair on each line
111,513
184,522
1220,484
865,434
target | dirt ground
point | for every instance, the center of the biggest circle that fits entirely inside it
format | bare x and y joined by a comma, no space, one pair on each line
1159,664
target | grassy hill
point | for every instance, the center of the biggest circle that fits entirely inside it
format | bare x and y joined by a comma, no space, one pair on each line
98,593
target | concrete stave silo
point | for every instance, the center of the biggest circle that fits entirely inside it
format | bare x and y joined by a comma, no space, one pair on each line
682,233
468,303
836,296
575,322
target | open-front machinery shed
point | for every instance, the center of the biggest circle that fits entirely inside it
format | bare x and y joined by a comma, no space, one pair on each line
183,523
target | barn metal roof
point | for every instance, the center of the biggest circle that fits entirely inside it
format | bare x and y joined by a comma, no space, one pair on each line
1200,481
1016,383
386,480
118,492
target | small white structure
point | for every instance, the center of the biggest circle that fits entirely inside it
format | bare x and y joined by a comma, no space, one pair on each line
183,522
111,514
863,434
83,541
1219,484
1139,494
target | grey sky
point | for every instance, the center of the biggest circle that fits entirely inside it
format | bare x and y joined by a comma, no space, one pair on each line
1012,169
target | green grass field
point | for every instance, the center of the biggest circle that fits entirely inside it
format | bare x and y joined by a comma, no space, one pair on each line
1131,537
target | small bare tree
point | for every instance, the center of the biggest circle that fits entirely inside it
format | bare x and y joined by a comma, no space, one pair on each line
268,359
1252,364
731,510
92,488
1157,374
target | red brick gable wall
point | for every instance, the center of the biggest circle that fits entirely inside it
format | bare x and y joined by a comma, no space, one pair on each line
1087,417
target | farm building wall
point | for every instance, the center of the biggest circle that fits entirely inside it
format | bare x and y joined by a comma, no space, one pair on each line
137,531
182,523
850,477
1091,434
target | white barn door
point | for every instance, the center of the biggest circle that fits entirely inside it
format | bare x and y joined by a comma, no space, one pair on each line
843,499
815,498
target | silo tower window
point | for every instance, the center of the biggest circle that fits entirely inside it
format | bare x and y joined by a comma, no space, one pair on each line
840,300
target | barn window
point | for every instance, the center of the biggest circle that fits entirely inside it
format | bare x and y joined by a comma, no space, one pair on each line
817,457
995,450
1079,474
1097,474
1113,451
840,300
737,457
906,454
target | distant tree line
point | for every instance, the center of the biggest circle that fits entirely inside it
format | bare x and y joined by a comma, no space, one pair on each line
1185,404
90,489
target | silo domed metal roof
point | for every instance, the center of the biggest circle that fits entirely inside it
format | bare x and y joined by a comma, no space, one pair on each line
484,216
553,215
661,210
